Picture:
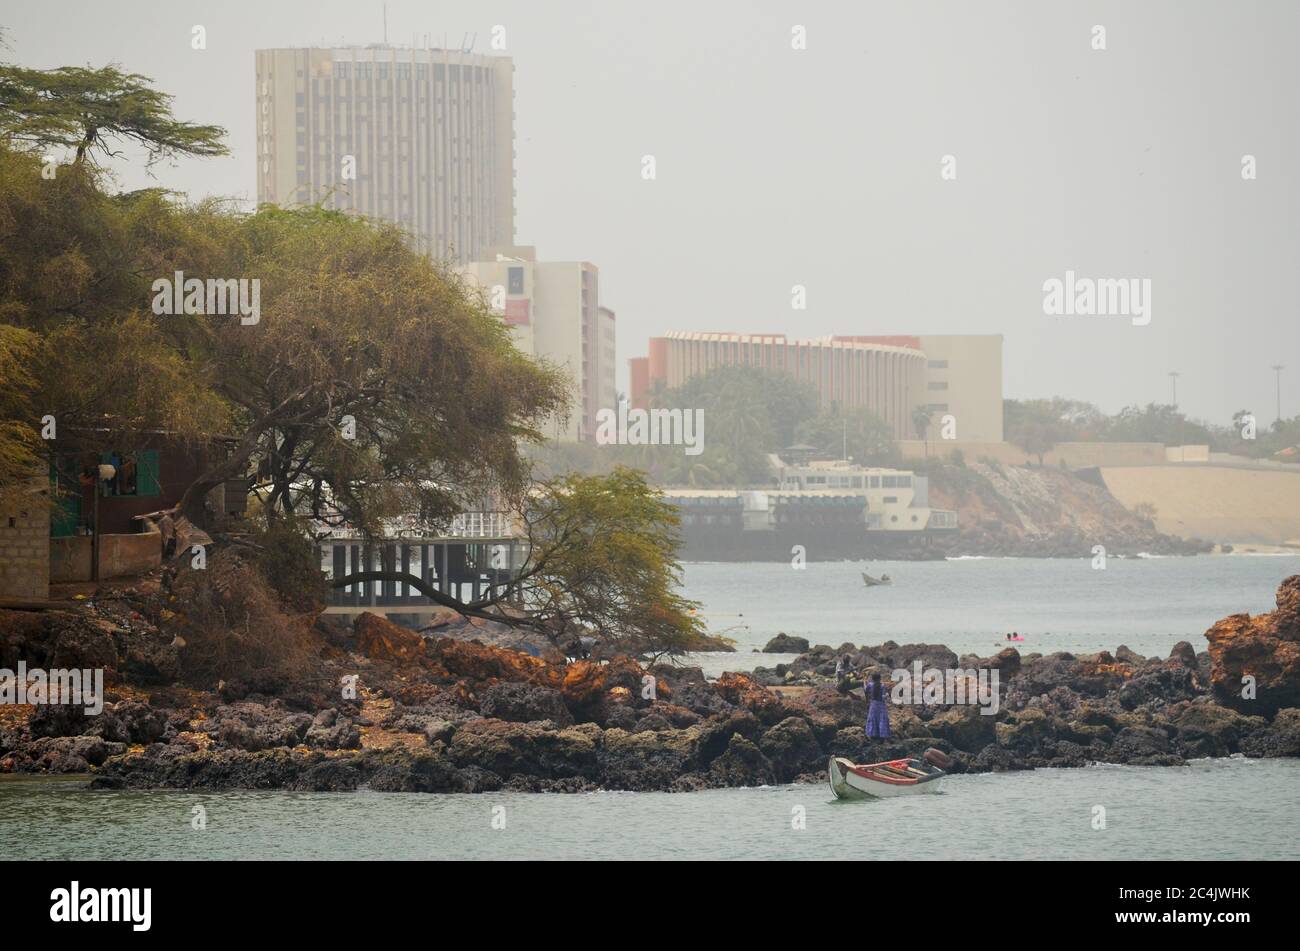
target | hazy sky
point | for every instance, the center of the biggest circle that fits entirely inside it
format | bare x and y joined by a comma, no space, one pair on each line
821,166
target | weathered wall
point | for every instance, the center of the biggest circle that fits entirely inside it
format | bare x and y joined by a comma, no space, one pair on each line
24,552
126,556
70,559
120,556
1224,504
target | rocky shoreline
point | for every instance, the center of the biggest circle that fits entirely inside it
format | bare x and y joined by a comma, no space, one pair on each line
447,713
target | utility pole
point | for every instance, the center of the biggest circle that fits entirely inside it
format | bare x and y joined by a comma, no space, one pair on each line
1277,369
1182,450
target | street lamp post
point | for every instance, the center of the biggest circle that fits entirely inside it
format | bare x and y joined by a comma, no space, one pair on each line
1182,451
1277,369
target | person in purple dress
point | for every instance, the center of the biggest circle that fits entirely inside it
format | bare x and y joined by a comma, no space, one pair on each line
877,712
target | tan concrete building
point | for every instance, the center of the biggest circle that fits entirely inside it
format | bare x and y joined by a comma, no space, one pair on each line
423,138
885,375
603,372
963,378
553,309
889,376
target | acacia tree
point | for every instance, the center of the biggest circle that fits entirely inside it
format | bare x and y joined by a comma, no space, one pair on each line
601,560
74,347
76,342
90,110
374,383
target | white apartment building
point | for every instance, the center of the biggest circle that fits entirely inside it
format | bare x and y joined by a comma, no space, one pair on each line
423,138
553,309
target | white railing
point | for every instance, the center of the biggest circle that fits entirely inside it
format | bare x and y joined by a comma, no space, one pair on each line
480,525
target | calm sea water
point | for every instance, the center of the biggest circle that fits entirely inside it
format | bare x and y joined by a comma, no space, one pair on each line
1148,604
1150,813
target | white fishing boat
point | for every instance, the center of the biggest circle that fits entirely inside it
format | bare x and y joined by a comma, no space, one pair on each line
897,777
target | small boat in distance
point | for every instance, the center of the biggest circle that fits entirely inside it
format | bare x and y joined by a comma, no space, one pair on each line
898,777
871,582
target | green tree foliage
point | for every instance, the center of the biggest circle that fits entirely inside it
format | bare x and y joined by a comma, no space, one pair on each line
1156,422
91,110
602,561
76,339
1036,426
1047,422
353,324
748,413
19,444
372,386
866,438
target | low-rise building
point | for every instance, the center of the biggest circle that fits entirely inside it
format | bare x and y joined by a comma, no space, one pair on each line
817,510
553,309
957,376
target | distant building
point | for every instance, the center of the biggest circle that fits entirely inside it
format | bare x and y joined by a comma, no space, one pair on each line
554,309
829,510
94,516
963,377
889,376
897,500
604,390
423,138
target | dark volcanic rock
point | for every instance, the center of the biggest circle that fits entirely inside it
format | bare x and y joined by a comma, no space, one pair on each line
1126,656
1279,738
521,703
1184,654
786,644
508,748
964,727
792,748
255,726
1207,729
329,731
743,764
1143,746
130,722
458,715
1162,686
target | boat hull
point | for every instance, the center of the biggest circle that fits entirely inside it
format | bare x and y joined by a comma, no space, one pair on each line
886,780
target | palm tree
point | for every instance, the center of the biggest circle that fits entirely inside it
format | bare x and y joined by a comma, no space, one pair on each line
921,423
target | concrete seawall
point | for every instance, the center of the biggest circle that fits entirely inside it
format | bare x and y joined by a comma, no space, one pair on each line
1220,503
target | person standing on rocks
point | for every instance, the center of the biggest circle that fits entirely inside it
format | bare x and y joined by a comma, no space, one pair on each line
843,674
877,712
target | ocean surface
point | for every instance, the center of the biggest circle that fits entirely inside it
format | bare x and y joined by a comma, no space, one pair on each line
970,604
1211,809
1233,808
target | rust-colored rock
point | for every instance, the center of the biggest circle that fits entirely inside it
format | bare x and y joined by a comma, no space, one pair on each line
1266,647
478,662
744,691
380,639
589,686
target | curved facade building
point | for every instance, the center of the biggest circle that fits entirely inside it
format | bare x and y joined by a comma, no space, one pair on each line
884,375
420,137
